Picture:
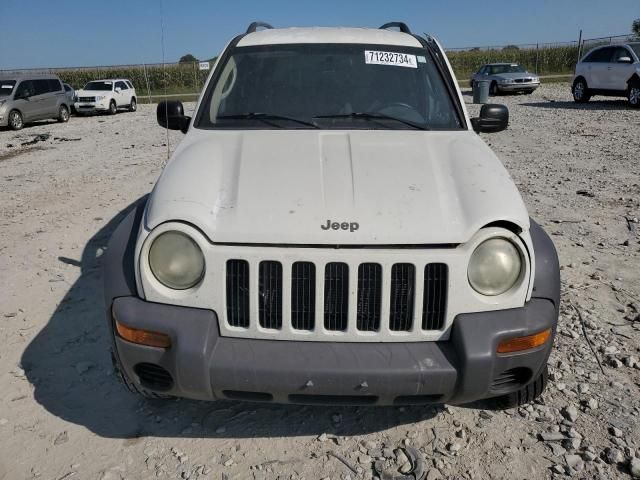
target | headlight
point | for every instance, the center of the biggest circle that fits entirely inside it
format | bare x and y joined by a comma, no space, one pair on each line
176,260
494,267
506,80
100,97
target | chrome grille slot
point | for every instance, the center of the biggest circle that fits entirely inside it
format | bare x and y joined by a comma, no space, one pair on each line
402,297
303,295
369,297
238,293
434,303
270,295
336,296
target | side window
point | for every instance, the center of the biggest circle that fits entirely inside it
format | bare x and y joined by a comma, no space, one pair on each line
41,86
129,83
25,89
121,86
619,53
54,85
599,56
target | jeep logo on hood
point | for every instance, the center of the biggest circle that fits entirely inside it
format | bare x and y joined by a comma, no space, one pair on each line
351,226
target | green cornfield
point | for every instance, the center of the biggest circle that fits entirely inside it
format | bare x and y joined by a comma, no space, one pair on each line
547,60
175,77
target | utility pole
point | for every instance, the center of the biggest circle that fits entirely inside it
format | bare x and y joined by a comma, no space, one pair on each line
580,45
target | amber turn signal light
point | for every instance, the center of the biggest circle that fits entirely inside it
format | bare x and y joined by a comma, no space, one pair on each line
524,343
143,337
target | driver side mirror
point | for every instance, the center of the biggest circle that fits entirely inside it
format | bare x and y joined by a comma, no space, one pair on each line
493,118
625,60
21,96
118,89
170,114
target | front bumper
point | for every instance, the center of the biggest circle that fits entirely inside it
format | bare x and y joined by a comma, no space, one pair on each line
203,365
84,107
518,87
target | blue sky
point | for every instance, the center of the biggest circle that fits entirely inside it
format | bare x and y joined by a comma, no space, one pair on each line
54,33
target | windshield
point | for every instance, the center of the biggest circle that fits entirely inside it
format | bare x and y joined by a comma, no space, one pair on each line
498,69
636,48
6,87
98,86
328,86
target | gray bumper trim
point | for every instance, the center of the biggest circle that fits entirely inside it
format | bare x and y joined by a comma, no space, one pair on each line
206,366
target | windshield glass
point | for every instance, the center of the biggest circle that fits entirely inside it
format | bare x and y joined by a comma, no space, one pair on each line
6,87
636,48
328,86
99,86
498,69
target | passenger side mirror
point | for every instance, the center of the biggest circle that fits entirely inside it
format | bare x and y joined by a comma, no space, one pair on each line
493,118
625,60
118,89
170,114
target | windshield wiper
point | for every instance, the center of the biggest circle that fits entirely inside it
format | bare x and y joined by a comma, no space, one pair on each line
374,116
266,117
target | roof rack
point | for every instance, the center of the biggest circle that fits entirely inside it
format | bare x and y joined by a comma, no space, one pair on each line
255,25
400,25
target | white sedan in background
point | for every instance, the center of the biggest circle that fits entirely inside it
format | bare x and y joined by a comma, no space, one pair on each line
106,96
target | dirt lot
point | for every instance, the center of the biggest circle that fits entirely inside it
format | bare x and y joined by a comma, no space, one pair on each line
63,413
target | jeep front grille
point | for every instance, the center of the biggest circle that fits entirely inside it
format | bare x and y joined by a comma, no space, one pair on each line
270,295
402,295
336,296
303,295
296,290
434,299
238,293
369,293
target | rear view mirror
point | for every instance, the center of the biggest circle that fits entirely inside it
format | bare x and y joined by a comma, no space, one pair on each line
170,114
625,60
493,118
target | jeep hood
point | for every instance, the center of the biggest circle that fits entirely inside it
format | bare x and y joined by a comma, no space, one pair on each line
281,186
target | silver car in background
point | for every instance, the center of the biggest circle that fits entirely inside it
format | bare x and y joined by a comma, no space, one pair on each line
507,77
26,98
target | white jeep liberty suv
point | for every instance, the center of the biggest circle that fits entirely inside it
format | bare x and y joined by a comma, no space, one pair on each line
332,230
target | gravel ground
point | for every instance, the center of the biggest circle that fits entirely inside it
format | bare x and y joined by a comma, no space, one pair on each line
63,413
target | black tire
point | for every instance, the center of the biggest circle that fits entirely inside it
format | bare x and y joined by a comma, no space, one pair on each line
15,120
63,114
580,91
633,94
493,89
113,109
132,386
526,394
133,105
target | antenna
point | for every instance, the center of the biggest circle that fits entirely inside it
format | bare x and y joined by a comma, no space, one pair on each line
164,76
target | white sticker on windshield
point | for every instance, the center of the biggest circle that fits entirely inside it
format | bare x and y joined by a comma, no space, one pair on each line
422,59
390,58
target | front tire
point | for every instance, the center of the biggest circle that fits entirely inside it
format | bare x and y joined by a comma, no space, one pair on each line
493,89
63,114
526,394
112,107
133,106
633,94
580,91
15,120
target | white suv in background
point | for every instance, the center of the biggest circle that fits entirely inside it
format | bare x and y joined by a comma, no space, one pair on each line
106,96
612,71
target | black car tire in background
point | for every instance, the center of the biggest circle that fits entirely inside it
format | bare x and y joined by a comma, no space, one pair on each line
580,91
63,114
15,120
